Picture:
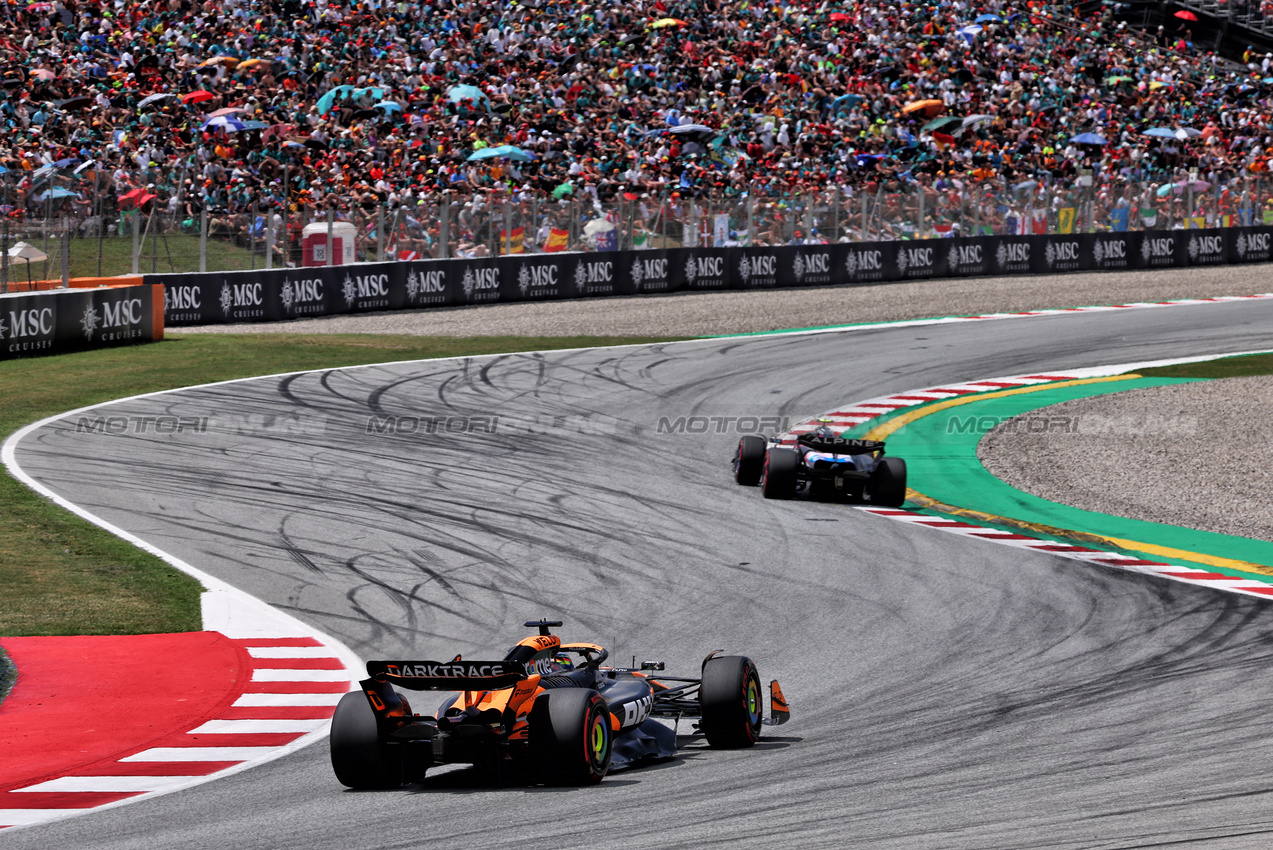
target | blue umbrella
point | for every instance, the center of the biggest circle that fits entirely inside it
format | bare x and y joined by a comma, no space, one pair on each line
225,122
55,194
1161,132
510,151
388,106
328,100
1088,139
846,101
473,93
993,19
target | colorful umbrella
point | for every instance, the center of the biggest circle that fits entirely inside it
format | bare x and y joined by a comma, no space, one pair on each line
668,22
228,110
55,194
692,129
461,93
228,123
252,63
135,198
154,98
938,123
974,120
1186,15
197,96
926,107
502,151
218,60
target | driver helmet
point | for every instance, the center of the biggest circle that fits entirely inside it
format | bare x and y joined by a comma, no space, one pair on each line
824,428
564,662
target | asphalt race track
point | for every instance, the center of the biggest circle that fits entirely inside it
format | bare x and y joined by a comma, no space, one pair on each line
946,692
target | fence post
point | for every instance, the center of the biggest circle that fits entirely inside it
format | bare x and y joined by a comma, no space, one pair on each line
751,216
865,236
380,232
444,229
269,240
254,213
331,226
664,213
101,216
919,210
508,223
66,253
286,252
136,235
4,259
203,235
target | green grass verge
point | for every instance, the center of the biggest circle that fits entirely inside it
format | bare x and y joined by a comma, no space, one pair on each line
60,575
8,675
177,252
1244,366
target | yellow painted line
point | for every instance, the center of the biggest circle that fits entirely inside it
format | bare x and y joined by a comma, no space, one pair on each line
879,432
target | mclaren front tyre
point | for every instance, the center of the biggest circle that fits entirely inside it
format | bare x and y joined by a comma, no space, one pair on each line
730,702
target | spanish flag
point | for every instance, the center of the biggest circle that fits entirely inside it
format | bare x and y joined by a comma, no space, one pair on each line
513,244
557,240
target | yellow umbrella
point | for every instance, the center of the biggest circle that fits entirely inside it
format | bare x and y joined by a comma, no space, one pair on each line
668,22
928,107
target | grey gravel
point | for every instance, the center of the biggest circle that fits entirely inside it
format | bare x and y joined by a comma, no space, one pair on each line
714,313
1195,455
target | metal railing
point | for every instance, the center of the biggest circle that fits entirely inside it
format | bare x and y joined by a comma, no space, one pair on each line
93,232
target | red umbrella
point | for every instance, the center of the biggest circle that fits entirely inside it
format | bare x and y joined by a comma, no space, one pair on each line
197,96
1186,15
136,197
944,138
840,16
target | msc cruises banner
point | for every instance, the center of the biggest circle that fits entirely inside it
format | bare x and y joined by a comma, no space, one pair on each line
261,296
61,320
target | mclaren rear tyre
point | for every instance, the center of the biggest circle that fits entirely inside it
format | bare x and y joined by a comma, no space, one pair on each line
570,737
360,759
888,483
778,479
749,460
730,702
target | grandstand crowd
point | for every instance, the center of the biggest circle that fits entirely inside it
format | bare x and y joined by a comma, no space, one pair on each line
331,104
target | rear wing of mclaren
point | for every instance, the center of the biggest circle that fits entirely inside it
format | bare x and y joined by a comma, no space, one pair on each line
454,675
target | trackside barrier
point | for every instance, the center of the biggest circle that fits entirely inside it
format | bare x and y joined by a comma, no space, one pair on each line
65,320
266,296
75,283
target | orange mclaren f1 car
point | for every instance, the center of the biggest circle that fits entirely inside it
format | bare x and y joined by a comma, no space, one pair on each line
547,712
